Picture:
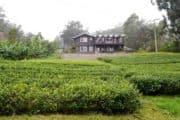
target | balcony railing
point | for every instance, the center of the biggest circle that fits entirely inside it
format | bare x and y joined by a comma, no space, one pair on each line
108,42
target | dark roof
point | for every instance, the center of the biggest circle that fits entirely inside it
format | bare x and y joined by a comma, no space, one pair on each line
108,35
100,35
77,36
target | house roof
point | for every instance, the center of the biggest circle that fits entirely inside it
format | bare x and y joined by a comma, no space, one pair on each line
100,35
77,36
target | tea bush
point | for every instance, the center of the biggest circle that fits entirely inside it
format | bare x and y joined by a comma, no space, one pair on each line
151,73
98,95
144,58
157,83
64,87
79,97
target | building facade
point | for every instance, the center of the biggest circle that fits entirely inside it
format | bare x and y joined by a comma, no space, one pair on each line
86,43
2,36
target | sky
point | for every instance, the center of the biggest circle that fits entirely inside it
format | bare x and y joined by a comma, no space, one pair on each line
50,16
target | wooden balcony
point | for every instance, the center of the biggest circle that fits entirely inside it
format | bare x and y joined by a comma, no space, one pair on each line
108,42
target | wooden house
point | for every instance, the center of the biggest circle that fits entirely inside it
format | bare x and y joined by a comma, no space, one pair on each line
86,43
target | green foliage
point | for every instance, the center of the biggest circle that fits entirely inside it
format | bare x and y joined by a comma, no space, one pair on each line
138,33
72,29
34,48
15,51
144,58
173,13
12,36
169,104
157,84
151,73
64,87
147,111
171,46
98,95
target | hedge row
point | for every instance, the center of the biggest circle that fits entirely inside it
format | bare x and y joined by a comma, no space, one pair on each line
152,73
144,58
157,83
77,96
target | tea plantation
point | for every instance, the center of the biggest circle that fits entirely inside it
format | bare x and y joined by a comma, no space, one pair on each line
106,86
151,73
64,87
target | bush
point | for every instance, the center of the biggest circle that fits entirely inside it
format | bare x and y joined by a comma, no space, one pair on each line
40,86
171,46
14,51
98,96
22,98
74,97
20,50
156,84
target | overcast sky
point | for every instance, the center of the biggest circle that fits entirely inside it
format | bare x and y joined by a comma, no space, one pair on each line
50,16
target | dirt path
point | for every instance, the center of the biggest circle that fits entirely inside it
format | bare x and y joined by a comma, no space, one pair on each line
91,56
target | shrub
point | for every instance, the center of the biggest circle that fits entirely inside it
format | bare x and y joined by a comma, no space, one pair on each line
14,51
38,86
22,98
73,97
171,46
156,83
21,50
98,96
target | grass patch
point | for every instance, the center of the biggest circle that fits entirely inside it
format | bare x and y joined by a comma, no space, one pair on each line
169,104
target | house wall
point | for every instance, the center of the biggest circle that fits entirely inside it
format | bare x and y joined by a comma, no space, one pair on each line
89,44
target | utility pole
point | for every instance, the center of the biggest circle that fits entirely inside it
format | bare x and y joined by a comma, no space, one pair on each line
155,35
155,38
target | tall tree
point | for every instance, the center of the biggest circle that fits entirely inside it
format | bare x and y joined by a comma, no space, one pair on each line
138,33
172,7
12,35
131,28
2,21
72,28
115,30
11,31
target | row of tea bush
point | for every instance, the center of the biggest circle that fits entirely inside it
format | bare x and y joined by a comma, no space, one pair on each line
57,87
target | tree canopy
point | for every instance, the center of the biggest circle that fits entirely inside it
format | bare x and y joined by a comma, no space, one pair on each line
71,29
138,33
172,7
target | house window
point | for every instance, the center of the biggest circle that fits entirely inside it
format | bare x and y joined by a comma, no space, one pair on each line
83,39
83,48
90,38
98,49
90,48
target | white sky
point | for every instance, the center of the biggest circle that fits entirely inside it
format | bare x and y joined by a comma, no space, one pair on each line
50,16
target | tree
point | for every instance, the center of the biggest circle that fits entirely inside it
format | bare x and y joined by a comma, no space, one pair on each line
72,28
131,29
172,7
139,34
3,25
10,30
115,30
12,35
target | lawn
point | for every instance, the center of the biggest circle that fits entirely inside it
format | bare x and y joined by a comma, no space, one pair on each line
94,86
